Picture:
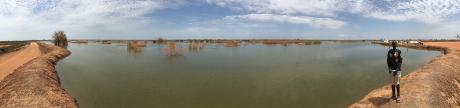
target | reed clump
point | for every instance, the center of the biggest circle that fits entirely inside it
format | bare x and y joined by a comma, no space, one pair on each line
232,43
172,49
196,46
60,39
122,42
275,42
315,42
80,41
287,42
136,46
106,42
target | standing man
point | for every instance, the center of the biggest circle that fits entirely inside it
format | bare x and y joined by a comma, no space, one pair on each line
394,61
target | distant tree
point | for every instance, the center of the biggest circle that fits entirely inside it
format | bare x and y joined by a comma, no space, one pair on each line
60,39
160,40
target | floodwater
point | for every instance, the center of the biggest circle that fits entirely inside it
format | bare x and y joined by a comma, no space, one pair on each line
249,76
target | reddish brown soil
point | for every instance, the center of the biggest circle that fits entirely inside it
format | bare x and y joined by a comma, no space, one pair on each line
11,61
35,84
435,85
453,45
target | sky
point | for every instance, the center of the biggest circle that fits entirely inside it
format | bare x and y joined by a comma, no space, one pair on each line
230,19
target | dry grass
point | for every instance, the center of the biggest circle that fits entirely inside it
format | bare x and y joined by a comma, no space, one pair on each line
232,43
288,42
312,42
122,42
136,46
60,39
196,46
106,42
275,42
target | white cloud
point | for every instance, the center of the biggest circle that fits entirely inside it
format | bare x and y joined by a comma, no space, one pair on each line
425,11
37,19
312,21
42,17
306,7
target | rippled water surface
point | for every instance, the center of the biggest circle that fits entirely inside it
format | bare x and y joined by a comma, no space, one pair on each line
249,76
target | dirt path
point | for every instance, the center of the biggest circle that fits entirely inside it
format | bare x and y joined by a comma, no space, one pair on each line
435,85
453,45
36,83
11,61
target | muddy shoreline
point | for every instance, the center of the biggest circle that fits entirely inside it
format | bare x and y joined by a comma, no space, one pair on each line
436,84
36,83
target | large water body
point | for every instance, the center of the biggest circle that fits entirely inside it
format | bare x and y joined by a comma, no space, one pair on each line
249,76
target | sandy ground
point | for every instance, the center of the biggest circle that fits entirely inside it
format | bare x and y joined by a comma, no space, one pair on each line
435,85
34,84
453,45
13,60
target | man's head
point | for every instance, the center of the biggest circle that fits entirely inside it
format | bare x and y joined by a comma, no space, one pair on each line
394,44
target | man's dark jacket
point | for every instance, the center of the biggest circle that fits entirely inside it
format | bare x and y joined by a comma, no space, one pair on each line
394,59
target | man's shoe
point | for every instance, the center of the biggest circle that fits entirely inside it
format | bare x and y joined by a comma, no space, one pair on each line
398,100
393,97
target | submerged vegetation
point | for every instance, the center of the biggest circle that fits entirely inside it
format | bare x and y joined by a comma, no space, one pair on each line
232,43
316,42
106,42
136,46
173,49
287,42
196,46
60,39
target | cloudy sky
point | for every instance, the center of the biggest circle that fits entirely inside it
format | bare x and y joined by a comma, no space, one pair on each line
184,19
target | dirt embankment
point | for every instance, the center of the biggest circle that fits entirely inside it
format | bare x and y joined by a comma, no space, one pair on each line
11,61
435,85
36,83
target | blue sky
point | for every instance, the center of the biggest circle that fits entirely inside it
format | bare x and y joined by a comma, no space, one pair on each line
230,19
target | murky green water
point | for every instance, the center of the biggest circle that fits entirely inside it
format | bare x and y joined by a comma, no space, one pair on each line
252,76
